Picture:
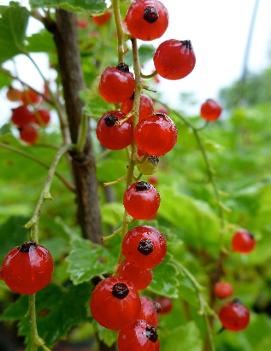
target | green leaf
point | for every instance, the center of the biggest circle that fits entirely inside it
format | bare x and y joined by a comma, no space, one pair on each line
110,169
93,6
40,42
12,233
183,338
13,24
112,213
87,260
58,310
165,280
108,337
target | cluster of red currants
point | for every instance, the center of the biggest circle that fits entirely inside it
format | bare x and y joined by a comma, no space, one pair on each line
115,302
234,315
27,116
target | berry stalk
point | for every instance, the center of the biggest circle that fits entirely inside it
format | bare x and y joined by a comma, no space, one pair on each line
120,34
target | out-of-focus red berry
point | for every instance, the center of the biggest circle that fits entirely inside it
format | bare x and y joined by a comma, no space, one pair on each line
30,97
164,305
210,110
29,133
14,94
222,290
22,116
243,241
100,20
234,316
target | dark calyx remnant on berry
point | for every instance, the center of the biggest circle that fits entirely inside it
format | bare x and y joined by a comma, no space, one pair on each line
123,67
151,333
252,236
145,247
142,186
120,291
150,14
110,120
187,44
153,160
25,247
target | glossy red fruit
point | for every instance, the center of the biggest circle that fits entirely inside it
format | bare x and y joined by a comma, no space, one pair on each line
222,290
174,59
112,132
243,241
22,115
14,94
153,180
144,246
148,311
146,106
42,117
114,303
28,268
30,97
234,316
147,19
163,110
164,305
139,278
100,20
138,337
141,200
29,133
210,110
117,84
156,135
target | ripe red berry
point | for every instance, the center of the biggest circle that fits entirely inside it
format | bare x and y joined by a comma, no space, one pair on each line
100,20
42,117
145,109
82,23
144,246
148,311
174,59
30,97
22,115
141,200
156,135
28,268
163,110
112,132
222,290
117,84
153,180
14,94
138,337
139,278
243,241
114,303
147,19
234,316
164,305
29,133
210,110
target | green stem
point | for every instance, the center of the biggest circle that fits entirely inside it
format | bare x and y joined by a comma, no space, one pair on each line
83,133
33,224
120,34
67,184
148,76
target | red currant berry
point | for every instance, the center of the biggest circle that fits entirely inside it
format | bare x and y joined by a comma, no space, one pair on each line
22,115
29,133
28,268
112,133
210,110
222,290
146,106
42,117
144,246
82,23
243,241
153,180
30,97
141,200
100,20
149,165
139,278
147,19
114,303
163,110
164,305
148,311
234,316
14,94
156,135
138,337
117,84
174,59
